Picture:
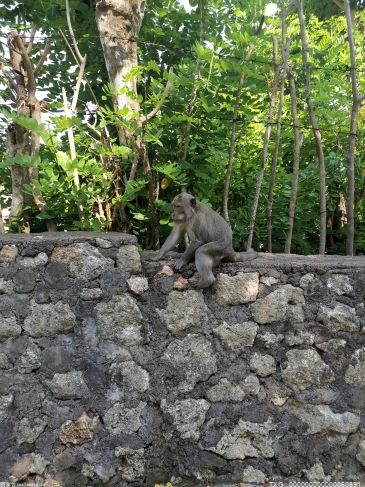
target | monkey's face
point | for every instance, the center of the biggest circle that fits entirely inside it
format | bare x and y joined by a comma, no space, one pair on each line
178,213
183,207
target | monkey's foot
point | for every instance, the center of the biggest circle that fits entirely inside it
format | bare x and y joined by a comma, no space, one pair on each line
204,283
249,255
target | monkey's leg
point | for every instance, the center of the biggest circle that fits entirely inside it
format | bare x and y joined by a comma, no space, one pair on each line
204,265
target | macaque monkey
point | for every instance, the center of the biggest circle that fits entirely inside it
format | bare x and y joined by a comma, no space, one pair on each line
210,238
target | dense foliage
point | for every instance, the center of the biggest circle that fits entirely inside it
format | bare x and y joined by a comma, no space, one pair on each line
216,40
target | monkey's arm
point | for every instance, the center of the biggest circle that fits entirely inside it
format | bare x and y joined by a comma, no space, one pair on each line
188,254
172,240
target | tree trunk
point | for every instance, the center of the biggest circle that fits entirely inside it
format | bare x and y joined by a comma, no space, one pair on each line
19,140
194,90
119,22
316,133
284,55
296,160
266,143
356,102
232,142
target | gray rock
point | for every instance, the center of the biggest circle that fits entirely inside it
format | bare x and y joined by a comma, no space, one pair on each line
306,368
192,359
120,320
184,309
340,318
6,286
6,401
360,455
132,463
316,473
339,284
188,415
29,360
237,336
285,303
276,391
137,285
40,259
306,280
321,419
247,439
70,385
4,361
128,259
253,475
9,328
8,253
239,289
100,466
331,345
25,281
130,375
27,465
121,419
355,374
28,429
271,339
262,365
83,260
269,280
103,243
226,390
49,319
92,294
300,338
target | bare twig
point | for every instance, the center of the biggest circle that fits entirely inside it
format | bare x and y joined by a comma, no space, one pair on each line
78,53
42,59
232,144
145,118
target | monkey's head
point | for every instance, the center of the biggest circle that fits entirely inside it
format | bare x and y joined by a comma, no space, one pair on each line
183,207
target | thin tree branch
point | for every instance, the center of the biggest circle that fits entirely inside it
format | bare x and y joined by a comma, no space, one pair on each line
78,53
316,132
265,144
19,43
42,59
145,118
31,40
79,65
233,138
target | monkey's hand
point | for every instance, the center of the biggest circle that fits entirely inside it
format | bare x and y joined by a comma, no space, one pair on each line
179,264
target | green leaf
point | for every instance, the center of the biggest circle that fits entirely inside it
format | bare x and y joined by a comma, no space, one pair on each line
139,216
132,188
174,172
20,160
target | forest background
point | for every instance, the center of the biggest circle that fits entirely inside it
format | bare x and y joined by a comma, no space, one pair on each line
110,107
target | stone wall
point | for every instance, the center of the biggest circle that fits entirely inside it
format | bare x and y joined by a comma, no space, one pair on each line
119,373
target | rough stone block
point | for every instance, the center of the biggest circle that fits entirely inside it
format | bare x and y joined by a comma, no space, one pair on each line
239,289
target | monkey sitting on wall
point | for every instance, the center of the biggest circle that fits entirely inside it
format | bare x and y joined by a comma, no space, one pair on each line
210,238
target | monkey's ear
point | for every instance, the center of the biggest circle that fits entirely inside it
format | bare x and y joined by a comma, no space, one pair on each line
193,202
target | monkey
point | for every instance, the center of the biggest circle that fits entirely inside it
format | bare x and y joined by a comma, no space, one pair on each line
210,238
